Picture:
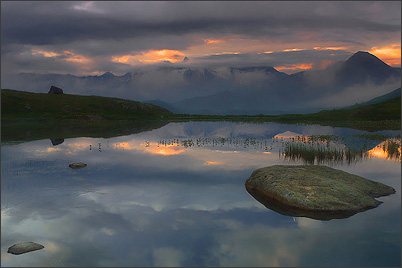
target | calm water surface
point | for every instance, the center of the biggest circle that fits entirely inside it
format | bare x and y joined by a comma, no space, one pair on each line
175,196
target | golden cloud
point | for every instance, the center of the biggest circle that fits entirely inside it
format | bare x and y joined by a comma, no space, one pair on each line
330,48
210,41
390,54
152,56
47,54
67,56
294,67
292,49
213,163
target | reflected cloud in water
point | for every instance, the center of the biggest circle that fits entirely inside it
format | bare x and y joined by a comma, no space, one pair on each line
135,206
389,149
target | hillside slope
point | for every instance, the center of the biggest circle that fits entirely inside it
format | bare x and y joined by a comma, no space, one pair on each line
26,105
393,94
385,110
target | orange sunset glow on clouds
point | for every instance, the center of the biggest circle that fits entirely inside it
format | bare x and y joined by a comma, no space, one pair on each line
390,54
292,67
152,56
174,51
233,35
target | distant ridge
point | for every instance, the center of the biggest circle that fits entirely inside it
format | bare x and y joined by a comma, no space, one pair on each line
300,92
392,94
162,104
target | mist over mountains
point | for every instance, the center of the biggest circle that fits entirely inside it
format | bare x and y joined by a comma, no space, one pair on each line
231,90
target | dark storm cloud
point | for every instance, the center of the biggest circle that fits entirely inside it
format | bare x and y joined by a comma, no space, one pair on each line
275,58
41,23
100,30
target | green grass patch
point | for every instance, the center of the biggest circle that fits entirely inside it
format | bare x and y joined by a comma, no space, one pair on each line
41,106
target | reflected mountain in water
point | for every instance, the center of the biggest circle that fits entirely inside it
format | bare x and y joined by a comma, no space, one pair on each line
12,132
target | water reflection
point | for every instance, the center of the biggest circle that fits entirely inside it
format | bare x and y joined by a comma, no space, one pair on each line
56,141
137,205
283,209
330,149
389,149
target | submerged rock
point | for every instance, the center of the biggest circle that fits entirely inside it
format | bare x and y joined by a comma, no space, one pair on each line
316,192
55,90
24,247
77,165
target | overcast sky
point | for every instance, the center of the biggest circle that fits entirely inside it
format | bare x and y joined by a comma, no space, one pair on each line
86,38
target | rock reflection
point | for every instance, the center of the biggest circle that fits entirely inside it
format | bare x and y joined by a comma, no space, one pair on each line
56,141
283,209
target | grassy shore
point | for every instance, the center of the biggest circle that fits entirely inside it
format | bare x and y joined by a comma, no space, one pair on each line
30,116
385,115
22,105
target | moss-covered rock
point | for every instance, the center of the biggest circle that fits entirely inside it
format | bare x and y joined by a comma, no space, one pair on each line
316,192
77,165
24,247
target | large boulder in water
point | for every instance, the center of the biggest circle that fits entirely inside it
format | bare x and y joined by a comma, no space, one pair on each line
24,247
55,90
316,192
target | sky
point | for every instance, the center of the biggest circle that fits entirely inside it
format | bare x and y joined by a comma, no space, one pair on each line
91,38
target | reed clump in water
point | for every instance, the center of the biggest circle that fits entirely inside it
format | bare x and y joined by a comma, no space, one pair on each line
321,149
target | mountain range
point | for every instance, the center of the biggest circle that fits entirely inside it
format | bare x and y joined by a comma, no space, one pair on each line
232,90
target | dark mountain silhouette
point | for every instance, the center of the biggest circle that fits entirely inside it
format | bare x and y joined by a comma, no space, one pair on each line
266,69
362,66
107,75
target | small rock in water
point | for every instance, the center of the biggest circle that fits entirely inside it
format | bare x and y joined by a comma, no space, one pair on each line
77,165
24,247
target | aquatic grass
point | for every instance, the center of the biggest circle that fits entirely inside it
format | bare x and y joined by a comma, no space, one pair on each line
317,153
323,138
229,142
315,149
393,149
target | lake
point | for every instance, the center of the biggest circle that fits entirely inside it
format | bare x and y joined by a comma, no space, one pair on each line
175,196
